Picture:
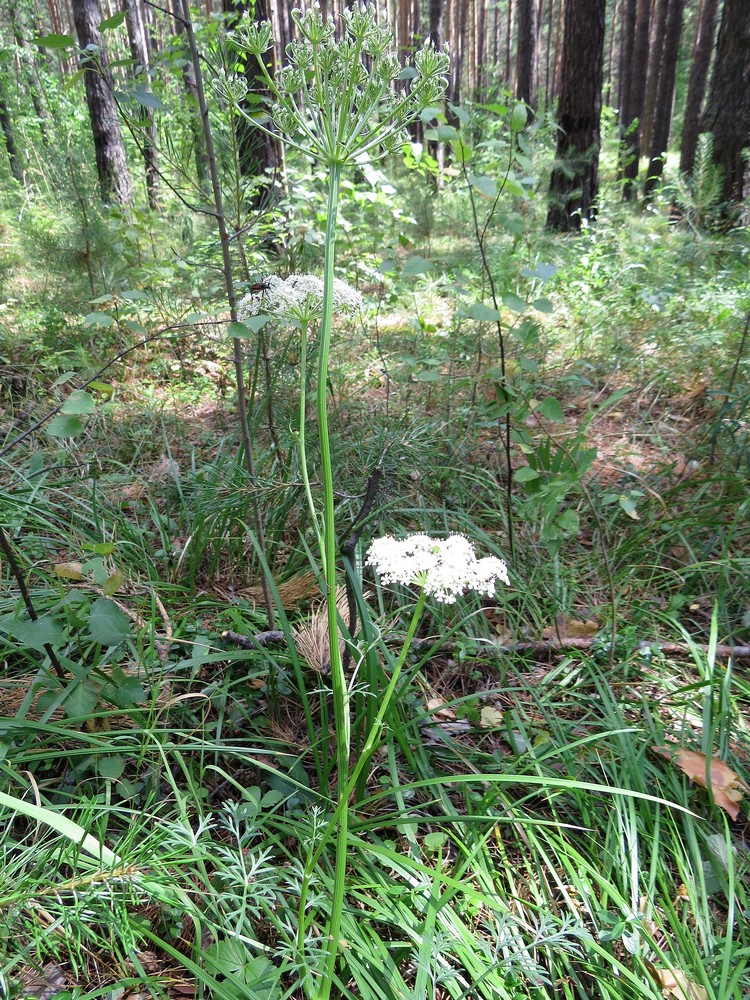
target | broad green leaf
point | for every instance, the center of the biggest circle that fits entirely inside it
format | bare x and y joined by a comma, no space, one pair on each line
79,402
147,99
514,302
518,118
428,376
64,426
542,305
135,326
434,841
248,328
124,690
569,522
132,295
114,583
461,150
35,635
104,388
107,624
525,474
100,319
551,409
55,42
65,377
628,505
486,186
542,271
496,109
461,114
81,701
111,766
512,223
414,266
112,22
483,313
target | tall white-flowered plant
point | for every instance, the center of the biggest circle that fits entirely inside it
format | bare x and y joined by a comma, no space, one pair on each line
443,568
338,100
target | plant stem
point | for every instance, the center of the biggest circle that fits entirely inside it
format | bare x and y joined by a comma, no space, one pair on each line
20,580
302,434
339,819
232,300
328,560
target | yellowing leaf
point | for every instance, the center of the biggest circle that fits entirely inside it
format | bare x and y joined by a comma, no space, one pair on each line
726,786
70,571
491,718
676,985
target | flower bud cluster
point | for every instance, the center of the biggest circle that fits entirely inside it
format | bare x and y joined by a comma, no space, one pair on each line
444,568
337,97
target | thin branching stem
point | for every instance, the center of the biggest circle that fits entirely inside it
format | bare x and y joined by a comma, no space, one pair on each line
242,403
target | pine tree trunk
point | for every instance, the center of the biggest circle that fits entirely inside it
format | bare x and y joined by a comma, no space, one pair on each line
526,54
662,115
139,53
727,114
111,164
633,97
701,60
574,184
6,126
657,29
188,79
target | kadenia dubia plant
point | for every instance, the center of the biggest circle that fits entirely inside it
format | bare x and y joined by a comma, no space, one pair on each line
342,98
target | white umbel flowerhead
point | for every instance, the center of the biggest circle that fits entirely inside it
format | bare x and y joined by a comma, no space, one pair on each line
300,296
444,567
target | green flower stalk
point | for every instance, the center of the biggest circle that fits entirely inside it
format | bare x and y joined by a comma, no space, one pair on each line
337,100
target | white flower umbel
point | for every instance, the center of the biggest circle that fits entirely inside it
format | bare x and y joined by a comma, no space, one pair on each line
444,568
299,297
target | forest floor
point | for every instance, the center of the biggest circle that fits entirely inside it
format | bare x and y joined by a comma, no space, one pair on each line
537,821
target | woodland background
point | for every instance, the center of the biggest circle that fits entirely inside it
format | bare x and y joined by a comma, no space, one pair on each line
551,358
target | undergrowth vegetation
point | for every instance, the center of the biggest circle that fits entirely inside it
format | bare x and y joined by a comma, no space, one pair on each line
542,788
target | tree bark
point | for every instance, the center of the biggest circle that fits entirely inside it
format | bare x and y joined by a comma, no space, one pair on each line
139,52
632,100
702,49
661,121
6,126
574,184
111,164
727,114
191,89
657,28
527,56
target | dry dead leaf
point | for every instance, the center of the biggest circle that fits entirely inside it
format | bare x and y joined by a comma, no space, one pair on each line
70,570
572,628
676,985
727,787
439,710
491,718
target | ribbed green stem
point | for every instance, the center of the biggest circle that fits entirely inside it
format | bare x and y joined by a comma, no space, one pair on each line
302,433
328,559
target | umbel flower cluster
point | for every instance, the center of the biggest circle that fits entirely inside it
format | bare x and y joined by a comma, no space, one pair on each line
444,567
298,297
337,97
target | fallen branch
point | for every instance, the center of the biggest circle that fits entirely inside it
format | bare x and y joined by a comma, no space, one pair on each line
540,646
560,645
